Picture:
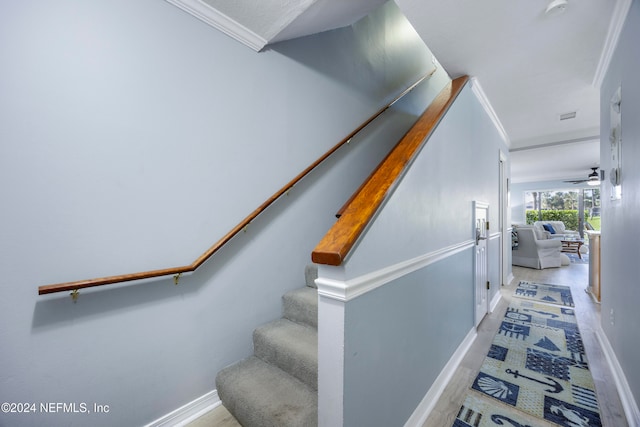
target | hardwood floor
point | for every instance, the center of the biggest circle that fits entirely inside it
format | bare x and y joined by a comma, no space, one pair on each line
588,314
219,417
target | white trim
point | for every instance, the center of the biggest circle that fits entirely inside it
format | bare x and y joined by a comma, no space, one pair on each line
629,404
480,284
495,235
342,290
330,362
189,412
484,101
481,205
219,21
503,215
510,278
620,12
495,301
430,399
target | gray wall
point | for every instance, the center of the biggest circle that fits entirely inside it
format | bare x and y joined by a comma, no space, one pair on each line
399,336
620,229
432,208
133,136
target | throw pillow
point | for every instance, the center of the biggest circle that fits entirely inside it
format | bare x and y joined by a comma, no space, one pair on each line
549,228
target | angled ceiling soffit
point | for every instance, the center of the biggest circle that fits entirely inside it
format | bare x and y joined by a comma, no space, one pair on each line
258,24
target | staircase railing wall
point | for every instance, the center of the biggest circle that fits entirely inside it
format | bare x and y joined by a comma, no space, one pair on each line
404,285
75,286
152,125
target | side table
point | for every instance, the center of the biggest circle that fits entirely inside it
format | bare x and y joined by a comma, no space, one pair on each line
572,246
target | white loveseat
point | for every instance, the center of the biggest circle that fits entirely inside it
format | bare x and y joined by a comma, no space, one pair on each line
533,252
558,227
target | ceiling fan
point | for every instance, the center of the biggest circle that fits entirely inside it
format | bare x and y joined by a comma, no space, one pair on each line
592,179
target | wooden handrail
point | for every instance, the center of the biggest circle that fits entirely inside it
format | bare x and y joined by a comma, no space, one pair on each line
177,271
354,217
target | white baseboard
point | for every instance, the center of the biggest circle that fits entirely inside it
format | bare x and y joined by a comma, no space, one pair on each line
631,410
427,404
495,301
510,278
189,412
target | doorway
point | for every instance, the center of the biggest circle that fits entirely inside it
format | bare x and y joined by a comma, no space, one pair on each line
481,275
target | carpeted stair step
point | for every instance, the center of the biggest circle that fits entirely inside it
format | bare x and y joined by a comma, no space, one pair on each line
259,394
291,347
310,275
301,306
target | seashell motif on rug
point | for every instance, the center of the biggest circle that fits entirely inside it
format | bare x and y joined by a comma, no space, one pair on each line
536,367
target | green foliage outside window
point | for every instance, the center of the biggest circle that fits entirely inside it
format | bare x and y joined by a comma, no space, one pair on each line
569,217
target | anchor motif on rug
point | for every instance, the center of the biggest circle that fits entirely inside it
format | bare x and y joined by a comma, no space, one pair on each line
556,387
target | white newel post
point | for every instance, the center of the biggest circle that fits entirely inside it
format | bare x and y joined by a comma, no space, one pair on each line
331,316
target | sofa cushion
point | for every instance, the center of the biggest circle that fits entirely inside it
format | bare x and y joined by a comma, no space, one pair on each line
549,228
558,226
540,234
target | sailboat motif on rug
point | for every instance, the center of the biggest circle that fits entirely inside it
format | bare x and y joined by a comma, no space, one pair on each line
552,294
537,365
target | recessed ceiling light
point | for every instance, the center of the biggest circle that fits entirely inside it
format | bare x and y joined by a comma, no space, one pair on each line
556,6
567,116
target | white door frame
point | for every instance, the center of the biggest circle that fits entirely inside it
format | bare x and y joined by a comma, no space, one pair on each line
481,262
503,226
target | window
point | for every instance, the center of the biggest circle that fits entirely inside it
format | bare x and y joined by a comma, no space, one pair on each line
565,206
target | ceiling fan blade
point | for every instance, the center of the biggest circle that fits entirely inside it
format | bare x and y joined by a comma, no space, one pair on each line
592,176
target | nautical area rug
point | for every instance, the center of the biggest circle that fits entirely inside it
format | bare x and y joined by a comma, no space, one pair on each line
536,367
552,294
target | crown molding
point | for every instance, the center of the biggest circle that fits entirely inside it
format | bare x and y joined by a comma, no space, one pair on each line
620,12
221,22
484,101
